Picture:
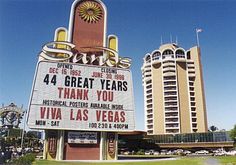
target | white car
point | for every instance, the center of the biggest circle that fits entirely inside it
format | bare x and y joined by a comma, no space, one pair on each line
147,153
202,152
220,153
231,153
156,153
126,153
187,152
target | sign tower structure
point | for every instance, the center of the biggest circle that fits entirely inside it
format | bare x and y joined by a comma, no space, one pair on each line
82,93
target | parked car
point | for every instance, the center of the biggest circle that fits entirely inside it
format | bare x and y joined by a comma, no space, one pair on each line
163,152
169,153
186,152
147,153
220,153
202,152
177,152
231,153
127,153
156,153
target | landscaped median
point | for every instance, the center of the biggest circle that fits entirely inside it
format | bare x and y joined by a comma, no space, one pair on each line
180,161
227,160
223,160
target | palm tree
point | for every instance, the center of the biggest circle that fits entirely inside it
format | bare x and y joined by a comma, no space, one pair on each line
213,128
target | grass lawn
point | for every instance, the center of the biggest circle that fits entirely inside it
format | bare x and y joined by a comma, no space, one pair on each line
224,160
182,161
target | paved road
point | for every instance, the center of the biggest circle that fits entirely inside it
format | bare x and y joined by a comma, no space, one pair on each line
211,161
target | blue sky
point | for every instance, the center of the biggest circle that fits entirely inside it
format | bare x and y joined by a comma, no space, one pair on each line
25,25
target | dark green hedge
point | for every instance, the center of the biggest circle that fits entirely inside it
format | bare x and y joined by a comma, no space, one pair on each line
24,160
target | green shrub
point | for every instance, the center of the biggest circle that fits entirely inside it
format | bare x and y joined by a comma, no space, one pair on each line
24,160
140,152
181,154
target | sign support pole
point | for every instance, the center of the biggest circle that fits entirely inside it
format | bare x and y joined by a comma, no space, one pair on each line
60,145
103,146
45,145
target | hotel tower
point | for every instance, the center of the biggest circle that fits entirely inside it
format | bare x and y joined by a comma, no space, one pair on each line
174,96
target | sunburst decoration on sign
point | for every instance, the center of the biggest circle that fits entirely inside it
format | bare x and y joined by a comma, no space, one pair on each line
90,12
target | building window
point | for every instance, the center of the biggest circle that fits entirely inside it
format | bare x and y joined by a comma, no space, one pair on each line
148,59
188,56
156,56
180,54
149,81
168,54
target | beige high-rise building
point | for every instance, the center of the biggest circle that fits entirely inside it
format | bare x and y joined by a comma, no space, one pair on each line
174,96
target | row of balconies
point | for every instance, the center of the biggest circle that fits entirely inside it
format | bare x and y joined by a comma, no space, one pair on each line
149,111
192,98
171,111
172,126
191,69
191,72
172,120
150,116
166,69
170,98
169,82
170,90
193,109
194,125
171,108
170,63
148,86
166,78
172,131
190,64
174,93
169,74
168,66
145,79
194,118
149,95
191,84
147,76
191,88
150,132
148,91
192,93
172,103
149,82
149,121
194,114
149,101
171,116
149,105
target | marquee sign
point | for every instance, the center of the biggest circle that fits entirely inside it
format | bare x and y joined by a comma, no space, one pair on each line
81,97
81,82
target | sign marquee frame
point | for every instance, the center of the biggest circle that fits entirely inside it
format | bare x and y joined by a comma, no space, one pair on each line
51,108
